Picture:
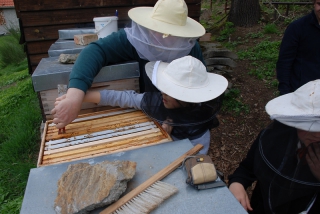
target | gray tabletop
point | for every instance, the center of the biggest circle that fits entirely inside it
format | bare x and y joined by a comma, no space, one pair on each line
41,189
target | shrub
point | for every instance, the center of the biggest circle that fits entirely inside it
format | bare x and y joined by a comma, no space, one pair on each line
11,52
226,32
270,29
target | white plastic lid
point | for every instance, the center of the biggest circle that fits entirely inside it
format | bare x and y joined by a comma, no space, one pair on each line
106,18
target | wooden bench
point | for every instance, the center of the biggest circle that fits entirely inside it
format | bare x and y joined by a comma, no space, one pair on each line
288,4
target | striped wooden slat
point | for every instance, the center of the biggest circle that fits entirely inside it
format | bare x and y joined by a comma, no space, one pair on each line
98,134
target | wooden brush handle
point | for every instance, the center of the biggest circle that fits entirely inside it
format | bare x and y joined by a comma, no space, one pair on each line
157,177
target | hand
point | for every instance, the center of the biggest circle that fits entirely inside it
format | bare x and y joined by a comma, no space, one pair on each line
166,126
67,107
59,99
313,159
241,195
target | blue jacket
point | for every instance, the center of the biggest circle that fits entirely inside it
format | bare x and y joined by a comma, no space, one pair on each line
109,50
299,56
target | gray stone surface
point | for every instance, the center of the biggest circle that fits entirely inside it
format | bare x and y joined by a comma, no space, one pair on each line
84,187
41,188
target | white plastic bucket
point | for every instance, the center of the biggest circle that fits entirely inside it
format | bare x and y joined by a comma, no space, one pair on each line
104,26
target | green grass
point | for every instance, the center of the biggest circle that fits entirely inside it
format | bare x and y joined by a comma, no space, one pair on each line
226,32
270,29
233,103
263,59
11,52
20,119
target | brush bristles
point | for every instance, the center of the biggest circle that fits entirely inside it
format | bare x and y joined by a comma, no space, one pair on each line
148,200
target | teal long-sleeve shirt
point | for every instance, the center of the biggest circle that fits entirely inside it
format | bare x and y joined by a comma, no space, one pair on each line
112,49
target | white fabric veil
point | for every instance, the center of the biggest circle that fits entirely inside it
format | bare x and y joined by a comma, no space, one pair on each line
154,46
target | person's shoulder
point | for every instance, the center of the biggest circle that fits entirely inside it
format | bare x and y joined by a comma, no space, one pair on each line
120,34
196,50
303,20
297,25
118,38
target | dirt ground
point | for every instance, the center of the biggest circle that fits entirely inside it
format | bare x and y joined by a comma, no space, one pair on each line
235,134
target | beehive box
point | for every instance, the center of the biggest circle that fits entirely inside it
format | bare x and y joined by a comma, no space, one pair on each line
99,133
50,73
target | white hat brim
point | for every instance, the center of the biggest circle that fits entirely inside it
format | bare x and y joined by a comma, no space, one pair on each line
282,106
142,16
217,85
282,109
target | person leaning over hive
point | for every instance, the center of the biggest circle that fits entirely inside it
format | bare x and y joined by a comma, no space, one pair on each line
188,100
163,32
285,157
299,56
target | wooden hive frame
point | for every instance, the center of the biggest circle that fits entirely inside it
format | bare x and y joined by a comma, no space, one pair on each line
98,134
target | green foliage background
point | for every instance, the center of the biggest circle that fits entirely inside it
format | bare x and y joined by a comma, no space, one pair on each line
20,119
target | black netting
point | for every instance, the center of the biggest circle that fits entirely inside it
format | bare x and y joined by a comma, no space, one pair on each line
283,153
189,122
193,114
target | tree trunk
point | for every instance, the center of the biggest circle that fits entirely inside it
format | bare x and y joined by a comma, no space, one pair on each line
244,13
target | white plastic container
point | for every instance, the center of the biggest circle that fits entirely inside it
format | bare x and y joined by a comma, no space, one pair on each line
104,26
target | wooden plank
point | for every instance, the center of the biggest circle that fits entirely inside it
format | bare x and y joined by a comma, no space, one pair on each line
287,3
112,143
27,5
51,32
92,126
38,33
39,47
104,114
95,125
106,123
110,111
58,17
157,177
32,68
144,143
36,58
85,111
42,145
61,17
116,140
99,134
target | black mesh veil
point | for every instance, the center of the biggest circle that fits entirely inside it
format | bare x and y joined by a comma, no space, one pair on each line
188,121
283,173
283,152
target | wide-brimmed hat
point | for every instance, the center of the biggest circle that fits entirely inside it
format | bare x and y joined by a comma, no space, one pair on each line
186,79
167,17
299,109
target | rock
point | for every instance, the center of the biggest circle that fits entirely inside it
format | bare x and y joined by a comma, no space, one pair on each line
84,187
219,52
205,14
220,61
68,58
205,38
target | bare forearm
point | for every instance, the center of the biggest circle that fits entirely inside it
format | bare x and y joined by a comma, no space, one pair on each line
92,97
